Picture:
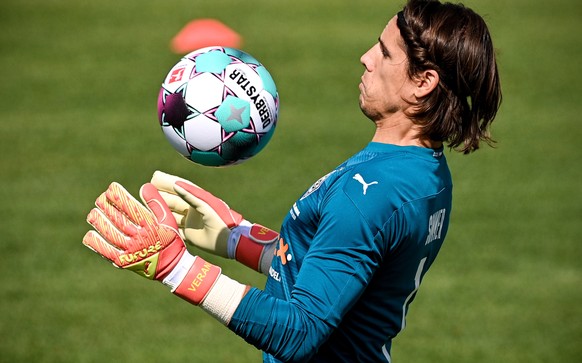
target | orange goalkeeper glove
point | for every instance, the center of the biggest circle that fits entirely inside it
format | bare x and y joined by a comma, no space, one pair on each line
146,241
208,222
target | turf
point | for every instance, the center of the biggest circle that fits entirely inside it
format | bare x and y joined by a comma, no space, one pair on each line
77,104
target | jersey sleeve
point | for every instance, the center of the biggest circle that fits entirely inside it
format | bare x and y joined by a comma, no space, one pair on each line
342,258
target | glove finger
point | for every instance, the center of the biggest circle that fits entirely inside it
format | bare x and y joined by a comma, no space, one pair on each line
182,234
180,219
96,243
114,216
175,203
201,199
119,229
165,182
109,231
156,204
131,207
199,208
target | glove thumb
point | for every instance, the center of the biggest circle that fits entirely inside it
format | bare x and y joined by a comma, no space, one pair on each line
151,197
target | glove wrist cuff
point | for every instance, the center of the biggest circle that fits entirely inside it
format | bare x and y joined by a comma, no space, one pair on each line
247,244
176,276
193,278
242,229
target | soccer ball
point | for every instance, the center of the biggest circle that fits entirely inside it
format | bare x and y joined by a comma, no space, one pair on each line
218,106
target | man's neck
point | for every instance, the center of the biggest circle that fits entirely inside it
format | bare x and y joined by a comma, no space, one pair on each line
403,132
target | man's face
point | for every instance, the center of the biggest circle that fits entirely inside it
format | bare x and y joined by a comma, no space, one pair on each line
385,83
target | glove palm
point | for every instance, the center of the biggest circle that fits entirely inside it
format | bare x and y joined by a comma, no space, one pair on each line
204,220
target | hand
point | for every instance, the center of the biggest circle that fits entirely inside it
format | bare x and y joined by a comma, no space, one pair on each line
208,223
146,241
133,237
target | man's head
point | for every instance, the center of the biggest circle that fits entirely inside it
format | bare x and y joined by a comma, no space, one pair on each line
450,87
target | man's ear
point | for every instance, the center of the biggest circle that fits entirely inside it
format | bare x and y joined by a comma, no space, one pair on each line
426,82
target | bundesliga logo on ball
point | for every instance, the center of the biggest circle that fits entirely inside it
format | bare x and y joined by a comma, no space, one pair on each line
218,106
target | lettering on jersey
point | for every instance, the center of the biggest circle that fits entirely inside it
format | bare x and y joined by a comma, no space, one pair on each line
274,274
435,226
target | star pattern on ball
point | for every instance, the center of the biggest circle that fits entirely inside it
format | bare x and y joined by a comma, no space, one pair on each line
236,113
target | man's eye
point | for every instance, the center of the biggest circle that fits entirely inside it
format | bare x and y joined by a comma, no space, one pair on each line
383,49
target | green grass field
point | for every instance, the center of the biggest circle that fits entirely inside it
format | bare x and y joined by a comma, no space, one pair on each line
78,110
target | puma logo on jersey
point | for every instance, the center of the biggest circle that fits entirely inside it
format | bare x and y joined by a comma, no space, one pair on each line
365,185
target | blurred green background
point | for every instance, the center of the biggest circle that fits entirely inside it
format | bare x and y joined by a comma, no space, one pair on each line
78,90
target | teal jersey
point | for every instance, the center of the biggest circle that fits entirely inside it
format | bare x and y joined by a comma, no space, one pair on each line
351,255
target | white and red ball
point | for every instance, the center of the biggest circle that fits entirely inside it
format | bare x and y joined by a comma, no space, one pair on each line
218,106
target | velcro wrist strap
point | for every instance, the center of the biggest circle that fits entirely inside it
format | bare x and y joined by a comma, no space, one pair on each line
176,276
198,281
242,229
249,249
248,252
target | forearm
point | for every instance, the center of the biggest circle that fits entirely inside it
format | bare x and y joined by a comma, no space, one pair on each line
278,327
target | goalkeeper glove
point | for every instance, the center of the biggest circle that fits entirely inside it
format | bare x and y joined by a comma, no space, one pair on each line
208,222
146,241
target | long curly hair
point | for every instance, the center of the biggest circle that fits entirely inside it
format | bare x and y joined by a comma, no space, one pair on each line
455,42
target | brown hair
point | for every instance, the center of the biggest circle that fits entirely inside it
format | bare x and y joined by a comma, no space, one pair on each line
454,41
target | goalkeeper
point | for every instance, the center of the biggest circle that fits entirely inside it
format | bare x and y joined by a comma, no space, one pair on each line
354,248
